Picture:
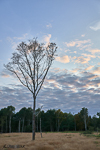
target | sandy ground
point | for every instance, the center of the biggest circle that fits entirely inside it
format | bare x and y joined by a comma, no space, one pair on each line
49,141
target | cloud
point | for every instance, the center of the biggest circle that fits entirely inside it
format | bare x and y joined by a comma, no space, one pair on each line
13,43
16,40
96,70
96,26
47,39
63,59
80,44
83,35
93,77
90,67
55,70
74,70
61,90
82,60
99,63
5,75
71,44
49,25
88,55
21,38
85,58
93,51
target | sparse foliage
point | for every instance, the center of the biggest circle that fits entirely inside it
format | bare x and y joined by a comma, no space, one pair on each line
30,64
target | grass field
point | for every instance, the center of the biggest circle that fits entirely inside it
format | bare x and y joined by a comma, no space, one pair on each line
50,141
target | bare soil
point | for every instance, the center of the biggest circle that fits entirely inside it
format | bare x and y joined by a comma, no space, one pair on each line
49,141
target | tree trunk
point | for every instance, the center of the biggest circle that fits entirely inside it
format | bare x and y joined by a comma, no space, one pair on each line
33,126
51,126
28,122
34,100
37,123
85,122
75,125
2,122
58,124
23,125
33,119
6,124
40,128
10,124
19,126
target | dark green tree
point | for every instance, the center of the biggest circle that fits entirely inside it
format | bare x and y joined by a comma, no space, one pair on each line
84,115
59,118
3,119
51,119
22,116
10,113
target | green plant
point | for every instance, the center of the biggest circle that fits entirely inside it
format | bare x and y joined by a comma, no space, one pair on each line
96,142
87,132
91,128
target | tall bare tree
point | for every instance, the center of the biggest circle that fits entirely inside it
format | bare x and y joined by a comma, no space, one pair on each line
30,64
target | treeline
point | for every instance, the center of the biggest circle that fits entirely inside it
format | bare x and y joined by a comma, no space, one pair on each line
52,120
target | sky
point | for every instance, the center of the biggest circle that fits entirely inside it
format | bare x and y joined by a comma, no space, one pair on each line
73,81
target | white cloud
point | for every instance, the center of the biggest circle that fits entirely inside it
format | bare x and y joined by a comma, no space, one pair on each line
74,70
49,25
66,50
13,43
77,43
63,59
96,26
47,39
82,60
22,38
97,70
16,40
4,75
83,35
55,70
99,63
88,55
62,85
93,51
70,44
90,67
93,77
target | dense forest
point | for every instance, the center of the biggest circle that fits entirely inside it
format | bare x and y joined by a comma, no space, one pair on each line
51,120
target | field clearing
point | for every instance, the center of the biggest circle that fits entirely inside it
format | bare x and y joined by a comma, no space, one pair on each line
50,141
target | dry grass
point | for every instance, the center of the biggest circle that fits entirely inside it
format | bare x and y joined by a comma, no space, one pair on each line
50,141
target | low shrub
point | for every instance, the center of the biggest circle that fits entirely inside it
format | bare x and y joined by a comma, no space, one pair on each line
88,132
91,128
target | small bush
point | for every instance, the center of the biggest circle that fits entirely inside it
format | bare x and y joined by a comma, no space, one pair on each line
98,135
98,129
28,128
91,128
87,132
